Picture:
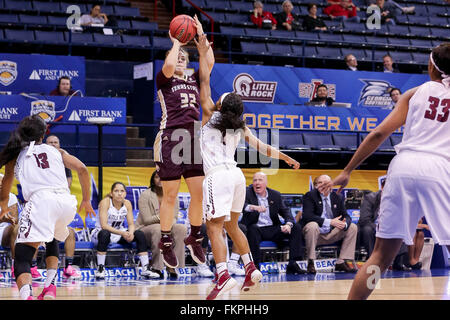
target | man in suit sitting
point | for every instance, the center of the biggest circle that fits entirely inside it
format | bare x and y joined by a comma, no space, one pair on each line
260,215
326,221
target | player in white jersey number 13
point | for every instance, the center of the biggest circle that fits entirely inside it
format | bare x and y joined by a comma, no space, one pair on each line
418,179
50,207
224,184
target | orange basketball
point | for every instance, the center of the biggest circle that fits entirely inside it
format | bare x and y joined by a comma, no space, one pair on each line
183,28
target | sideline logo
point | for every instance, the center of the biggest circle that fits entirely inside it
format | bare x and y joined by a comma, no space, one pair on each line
8,72
44,108
375,93
254,91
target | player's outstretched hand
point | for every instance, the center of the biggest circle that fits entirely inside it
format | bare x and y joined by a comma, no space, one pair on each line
174,40
202,44
86,205
292,163
341,180
198,26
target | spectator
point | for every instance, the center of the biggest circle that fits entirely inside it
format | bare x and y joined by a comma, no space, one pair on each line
388,64
326,221
94,17
64,87
110,228
148,222
387,12
311,21
261,209
394,7
261,18
352,63
7,224
368,220
322,97
395,94
286,19
345,10
69,244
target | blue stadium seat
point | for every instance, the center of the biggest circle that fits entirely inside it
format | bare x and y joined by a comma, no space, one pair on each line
232,31
435,10
418,20
271,7
282,34
386,146
108,10
292,140
420,31
396,139
332,37
401,56
81,38
124,24
304,35
218,17
60,21
107,39
2,36
18,5
254,47
421,43
440,21
244,7
398,30
440,32
19,35
421,10
50,36
140,41
126,11
354,38
257,32
421,58
378,55
162,43
83,8
320,141
399,42
345,141
44,6
359,54
24,18
142,25
376,40
279,49
326,52
199,3
309,51
235,18
9,18
354,26
217,4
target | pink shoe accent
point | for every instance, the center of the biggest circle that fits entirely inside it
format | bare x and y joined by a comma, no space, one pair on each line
71,272
35,273
30,298
48,293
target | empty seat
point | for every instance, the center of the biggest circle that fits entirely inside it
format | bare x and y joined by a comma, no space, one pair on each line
50,36
9,18
376,55
83,8
292,140
326,52
18,5
257,32
420,58
435,10
32,19
126,11
81,38
309,51
124,24
420,31
421,10
136,40
162,43
353,38
234,18
282,34
385,146
108,10
279,49
320,141
439,21
421,43
20,35
245,7
142,25
398,30
401,56
354,26
399,41
359,54
254,47
376,40
232,31
304,35
418,20
60,21
332,37
46,6
107,39
439,32
345,141
218,17
217,4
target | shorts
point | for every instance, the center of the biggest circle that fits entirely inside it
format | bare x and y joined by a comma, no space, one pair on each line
46,216
417,185
114,237
178,158
223,192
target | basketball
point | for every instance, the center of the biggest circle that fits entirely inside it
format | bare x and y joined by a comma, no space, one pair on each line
183,28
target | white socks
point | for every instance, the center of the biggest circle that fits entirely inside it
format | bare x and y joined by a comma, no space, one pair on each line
221,267
25,291
51,275
247,258
234,257
101,259
144,259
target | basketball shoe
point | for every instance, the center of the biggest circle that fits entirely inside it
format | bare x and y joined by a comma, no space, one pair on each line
48,293
224,283
252,276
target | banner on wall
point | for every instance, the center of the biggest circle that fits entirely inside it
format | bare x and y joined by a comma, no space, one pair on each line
36,73
288,85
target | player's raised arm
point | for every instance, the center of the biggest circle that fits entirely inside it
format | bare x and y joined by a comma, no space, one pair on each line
210,60
206,102
268,150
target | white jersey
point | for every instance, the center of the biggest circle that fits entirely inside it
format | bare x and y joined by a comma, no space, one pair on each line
215,149
427,127
40,168
116,218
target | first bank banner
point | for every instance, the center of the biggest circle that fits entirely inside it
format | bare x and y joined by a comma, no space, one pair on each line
36,73
288,85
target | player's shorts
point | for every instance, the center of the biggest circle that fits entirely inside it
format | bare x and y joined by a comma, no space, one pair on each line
417,185
224,191
178,158
46,216
114,237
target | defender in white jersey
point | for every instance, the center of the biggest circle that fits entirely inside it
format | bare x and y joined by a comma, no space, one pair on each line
418,179
50,207
114,211
224,184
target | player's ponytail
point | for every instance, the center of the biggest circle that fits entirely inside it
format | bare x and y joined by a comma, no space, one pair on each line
31,128
230,114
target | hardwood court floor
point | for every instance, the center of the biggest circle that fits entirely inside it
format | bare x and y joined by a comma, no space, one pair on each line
422,285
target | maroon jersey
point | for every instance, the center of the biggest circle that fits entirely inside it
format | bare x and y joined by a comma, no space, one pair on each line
179,100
